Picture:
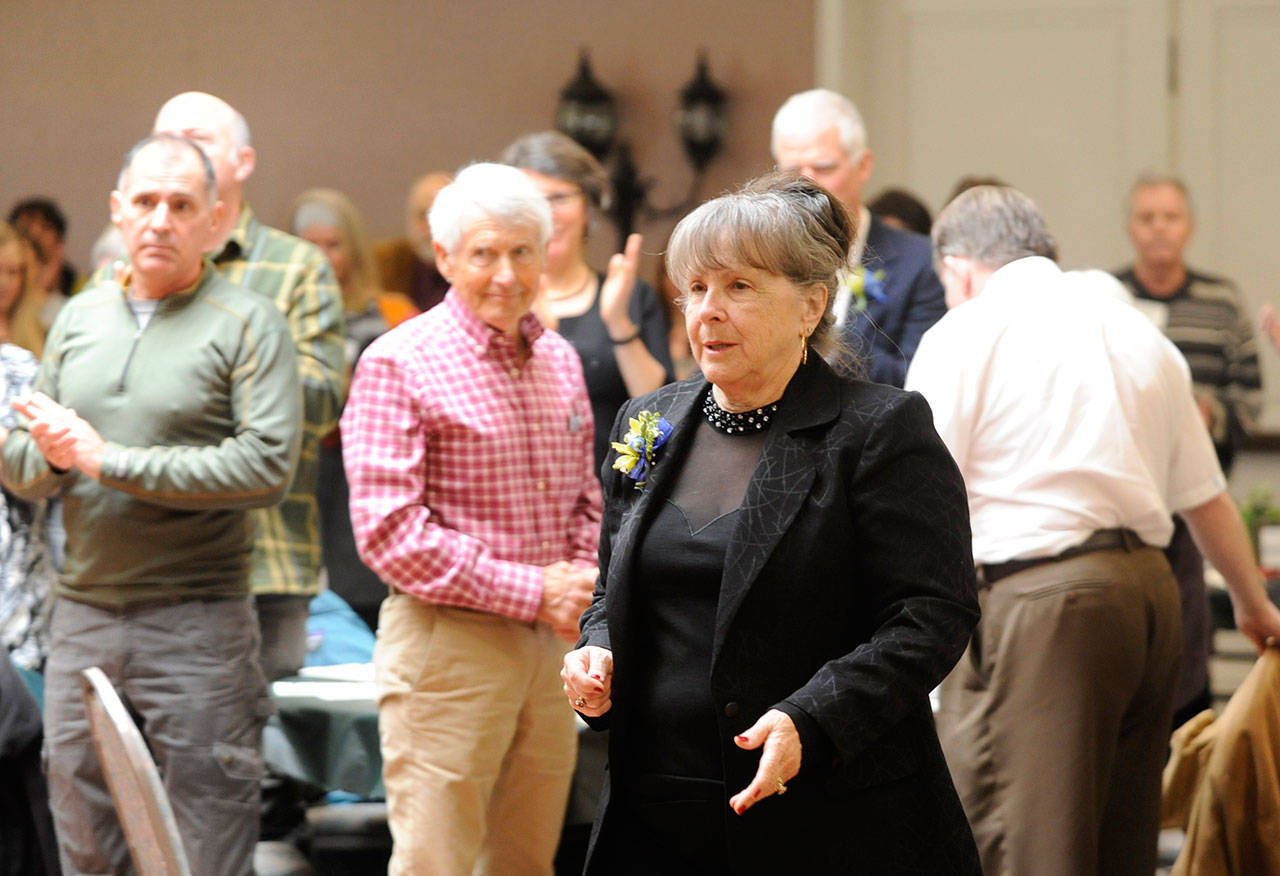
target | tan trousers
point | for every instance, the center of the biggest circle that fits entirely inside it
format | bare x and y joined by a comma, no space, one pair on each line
1055,722
478,742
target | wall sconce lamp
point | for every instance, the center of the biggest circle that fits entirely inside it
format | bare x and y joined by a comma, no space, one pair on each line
588,113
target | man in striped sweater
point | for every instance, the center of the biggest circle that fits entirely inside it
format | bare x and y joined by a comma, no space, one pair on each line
1206,319
1204,315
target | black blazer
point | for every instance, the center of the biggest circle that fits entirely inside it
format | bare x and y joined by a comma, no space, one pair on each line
887,334
848,593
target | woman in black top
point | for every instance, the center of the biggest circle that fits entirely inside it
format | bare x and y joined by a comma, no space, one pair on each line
785,574
616,322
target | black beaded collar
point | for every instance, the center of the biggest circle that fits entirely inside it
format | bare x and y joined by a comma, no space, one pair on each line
735,422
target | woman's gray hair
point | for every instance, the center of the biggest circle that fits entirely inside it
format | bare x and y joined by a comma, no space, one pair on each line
492,191
552,154
309,213
809,113
992,225
781,223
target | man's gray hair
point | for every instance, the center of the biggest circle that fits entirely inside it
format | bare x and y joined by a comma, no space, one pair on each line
809,113
1149,179
173,146
493,191
992,225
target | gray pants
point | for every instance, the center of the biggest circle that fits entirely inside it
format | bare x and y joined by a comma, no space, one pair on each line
282,621
189,672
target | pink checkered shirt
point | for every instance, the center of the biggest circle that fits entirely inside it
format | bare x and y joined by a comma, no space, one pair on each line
469,472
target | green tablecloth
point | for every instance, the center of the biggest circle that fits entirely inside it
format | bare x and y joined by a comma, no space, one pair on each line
326,733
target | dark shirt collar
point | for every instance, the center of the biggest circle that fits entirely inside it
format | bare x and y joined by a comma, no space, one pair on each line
238,241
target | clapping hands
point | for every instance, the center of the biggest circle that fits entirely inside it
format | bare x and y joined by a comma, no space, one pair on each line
65,438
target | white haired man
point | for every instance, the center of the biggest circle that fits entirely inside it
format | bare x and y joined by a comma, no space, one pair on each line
468,441
891,295
167,407
1075,444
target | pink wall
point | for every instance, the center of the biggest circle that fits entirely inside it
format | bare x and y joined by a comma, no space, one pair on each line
365,97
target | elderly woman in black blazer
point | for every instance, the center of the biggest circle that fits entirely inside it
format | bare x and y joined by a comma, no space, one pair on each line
785,575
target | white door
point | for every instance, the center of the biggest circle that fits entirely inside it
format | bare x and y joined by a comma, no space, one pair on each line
1070,101
1227,132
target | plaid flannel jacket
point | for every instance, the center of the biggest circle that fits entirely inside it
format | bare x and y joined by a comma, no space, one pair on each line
297,277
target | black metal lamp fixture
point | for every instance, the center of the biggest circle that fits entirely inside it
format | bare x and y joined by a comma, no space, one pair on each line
588,114
701,117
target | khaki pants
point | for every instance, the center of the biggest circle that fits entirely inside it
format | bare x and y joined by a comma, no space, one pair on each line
478,742
1055,721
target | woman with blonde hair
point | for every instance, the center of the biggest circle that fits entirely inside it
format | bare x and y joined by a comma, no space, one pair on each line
19,298
26,569
331,221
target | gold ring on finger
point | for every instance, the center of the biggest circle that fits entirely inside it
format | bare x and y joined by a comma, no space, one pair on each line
780,785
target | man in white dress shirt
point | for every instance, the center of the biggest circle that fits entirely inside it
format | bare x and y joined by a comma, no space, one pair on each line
1073,422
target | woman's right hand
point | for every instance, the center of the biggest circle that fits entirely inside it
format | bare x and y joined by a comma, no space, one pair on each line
588,680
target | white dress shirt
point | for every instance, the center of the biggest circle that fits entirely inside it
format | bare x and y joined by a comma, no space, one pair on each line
1067,412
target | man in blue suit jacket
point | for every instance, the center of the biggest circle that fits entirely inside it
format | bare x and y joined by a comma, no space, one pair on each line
888,301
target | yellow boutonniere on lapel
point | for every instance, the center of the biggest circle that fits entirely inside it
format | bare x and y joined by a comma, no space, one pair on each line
648,431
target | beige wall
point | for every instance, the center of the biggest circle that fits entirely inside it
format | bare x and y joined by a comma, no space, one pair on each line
363,97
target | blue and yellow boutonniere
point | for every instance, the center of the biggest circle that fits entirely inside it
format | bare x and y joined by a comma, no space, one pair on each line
864,284
648,432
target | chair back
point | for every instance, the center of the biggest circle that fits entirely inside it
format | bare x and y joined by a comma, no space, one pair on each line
140,799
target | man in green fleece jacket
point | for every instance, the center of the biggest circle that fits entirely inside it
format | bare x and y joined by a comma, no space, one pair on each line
168,405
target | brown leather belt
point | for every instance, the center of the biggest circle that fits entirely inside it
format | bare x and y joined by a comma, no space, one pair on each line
1102,540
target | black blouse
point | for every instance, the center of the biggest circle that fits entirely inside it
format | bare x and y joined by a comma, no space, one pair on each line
680,564
605,386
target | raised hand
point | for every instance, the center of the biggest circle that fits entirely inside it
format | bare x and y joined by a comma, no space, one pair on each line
615,293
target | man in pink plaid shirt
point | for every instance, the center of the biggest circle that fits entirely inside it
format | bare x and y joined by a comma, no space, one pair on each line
468,445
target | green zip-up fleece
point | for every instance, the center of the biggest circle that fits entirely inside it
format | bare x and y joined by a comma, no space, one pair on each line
200,411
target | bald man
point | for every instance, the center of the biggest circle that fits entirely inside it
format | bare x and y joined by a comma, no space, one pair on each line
408,264
296,276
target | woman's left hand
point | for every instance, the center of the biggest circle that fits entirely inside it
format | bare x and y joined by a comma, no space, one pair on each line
615,293
779,762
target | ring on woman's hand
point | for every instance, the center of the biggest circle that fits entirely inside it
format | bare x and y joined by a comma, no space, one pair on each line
579,702
782,788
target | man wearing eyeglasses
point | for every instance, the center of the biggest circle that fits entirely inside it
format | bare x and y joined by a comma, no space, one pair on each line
891,296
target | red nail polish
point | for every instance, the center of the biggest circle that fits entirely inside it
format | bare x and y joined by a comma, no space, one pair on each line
740,738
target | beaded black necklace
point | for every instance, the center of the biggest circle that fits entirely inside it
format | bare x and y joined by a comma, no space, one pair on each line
737,422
